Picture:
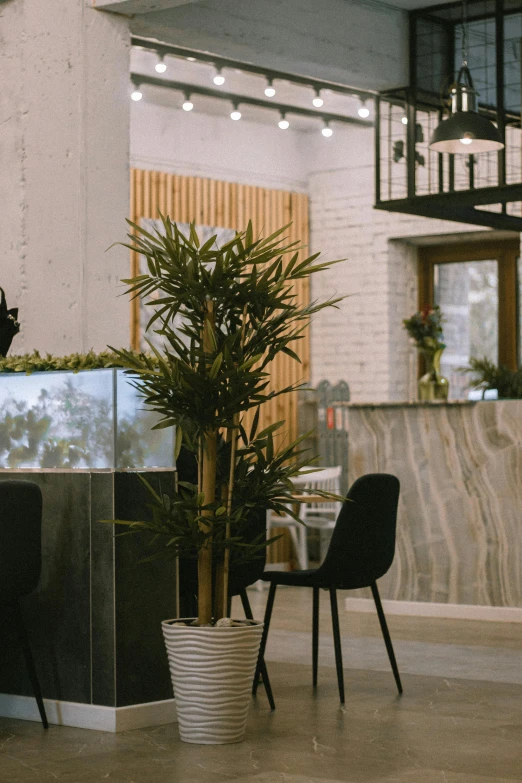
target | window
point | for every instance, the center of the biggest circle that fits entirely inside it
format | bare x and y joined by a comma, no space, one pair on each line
477,287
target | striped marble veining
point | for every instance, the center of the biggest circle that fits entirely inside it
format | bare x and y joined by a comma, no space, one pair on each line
459,534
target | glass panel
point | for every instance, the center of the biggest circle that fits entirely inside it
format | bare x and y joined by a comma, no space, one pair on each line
467,293
56,420
75,420
137,444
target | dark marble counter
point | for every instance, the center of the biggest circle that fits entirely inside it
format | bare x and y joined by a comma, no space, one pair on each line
94,621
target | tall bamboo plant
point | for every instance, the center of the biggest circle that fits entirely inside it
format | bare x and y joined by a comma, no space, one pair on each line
237,310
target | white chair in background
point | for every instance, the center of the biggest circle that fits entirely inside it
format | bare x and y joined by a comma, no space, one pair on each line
318,515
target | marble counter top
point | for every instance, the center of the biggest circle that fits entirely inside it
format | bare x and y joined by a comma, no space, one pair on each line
413,404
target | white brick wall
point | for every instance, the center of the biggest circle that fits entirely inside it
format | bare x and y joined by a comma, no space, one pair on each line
363,342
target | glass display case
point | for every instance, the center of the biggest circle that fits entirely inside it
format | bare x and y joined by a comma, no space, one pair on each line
89,419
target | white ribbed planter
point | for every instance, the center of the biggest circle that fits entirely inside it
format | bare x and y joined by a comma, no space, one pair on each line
212,671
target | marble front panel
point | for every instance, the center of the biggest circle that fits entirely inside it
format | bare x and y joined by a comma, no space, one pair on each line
459,534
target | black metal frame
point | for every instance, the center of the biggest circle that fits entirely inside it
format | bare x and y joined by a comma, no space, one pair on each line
451,204
14,612
261,663
336,637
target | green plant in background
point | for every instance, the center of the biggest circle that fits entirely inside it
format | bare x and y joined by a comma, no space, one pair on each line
488,375
237,313
34,362
425,328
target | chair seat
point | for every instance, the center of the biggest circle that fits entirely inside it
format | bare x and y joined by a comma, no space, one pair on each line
321,522
315,577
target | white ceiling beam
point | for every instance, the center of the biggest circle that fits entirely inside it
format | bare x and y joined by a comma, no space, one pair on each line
131,7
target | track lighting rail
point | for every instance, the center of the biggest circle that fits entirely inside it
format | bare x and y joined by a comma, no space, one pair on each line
139,80
220,62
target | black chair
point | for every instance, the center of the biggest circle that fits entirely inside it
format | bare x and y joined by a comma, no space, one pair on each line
21,561
242,575
360,552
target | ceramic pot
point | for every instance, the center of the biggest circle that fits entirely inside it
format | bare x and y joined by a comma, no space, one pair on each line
212,671
433,385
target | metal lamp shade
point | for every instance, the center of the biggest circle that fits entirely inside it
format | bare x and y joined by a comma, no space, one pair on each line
478,133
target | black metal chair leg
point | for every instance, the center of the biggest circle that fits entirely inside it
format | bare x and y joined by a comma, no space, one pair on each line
264,672
29,662
246,605
315,634
268,615
386,635
337,643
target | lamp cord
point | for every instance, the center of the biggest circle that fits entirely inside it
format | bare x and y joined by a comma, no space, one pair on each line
464,32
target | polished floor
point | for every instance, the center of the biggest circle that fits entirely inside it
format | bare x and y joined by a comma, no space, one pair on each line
458,721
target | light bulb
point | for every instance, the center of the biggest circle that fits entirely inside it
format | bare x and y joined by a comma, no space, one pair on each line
363,111
160,67
466,140
326,131
283,124
270,90
404,120
219,79
188,105
317,101
136,95
235,115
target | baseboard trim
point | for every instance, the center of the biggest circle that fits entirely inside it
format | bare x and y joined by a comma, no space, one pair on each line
499,614
90,716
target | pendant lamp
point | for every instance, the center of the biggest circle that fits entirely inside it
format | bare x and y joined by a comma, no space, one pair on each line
466,131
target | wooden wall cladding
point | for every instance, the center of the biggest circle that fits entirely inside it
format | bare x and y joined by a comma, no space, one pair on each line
231,205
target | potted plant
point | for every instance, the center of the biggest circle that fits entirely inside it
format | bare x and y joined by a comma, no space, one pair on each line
237,312
425,330
491,377
9,325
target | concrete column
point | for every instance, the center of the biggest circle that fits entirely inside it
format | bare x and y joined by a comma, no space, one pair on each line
64,187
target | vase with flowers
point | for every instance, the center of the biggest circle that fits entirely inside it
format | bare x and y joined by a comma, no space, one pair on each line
425,330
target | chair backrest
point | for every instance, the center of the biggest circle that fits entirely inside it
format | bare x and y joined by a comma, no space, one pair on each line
328,480
363,540
20,538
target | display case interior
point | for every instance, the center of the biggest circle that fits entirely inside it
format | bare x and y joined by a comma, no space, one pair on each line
90,419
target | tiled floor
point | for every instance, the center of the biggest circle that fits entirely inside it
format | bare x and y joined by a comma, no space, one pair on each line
458,721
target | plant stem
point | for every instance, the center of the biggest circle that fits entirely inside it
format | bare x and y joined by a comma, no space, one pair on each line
208,481
230,487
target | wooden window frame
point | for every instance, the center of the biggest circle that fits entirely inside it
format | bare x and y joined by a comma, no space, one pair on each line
505,252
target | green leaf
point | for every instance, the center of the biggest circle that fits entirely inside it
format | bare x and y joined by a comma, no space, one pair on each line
179,441
216,364
270,429
164,424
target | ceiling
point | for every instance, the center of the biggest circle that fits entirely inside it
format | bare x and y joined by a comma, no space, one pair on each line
409,5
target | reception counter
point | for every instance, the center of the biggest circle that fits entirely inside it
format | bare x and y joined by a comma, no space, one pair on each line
459,535
94,621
